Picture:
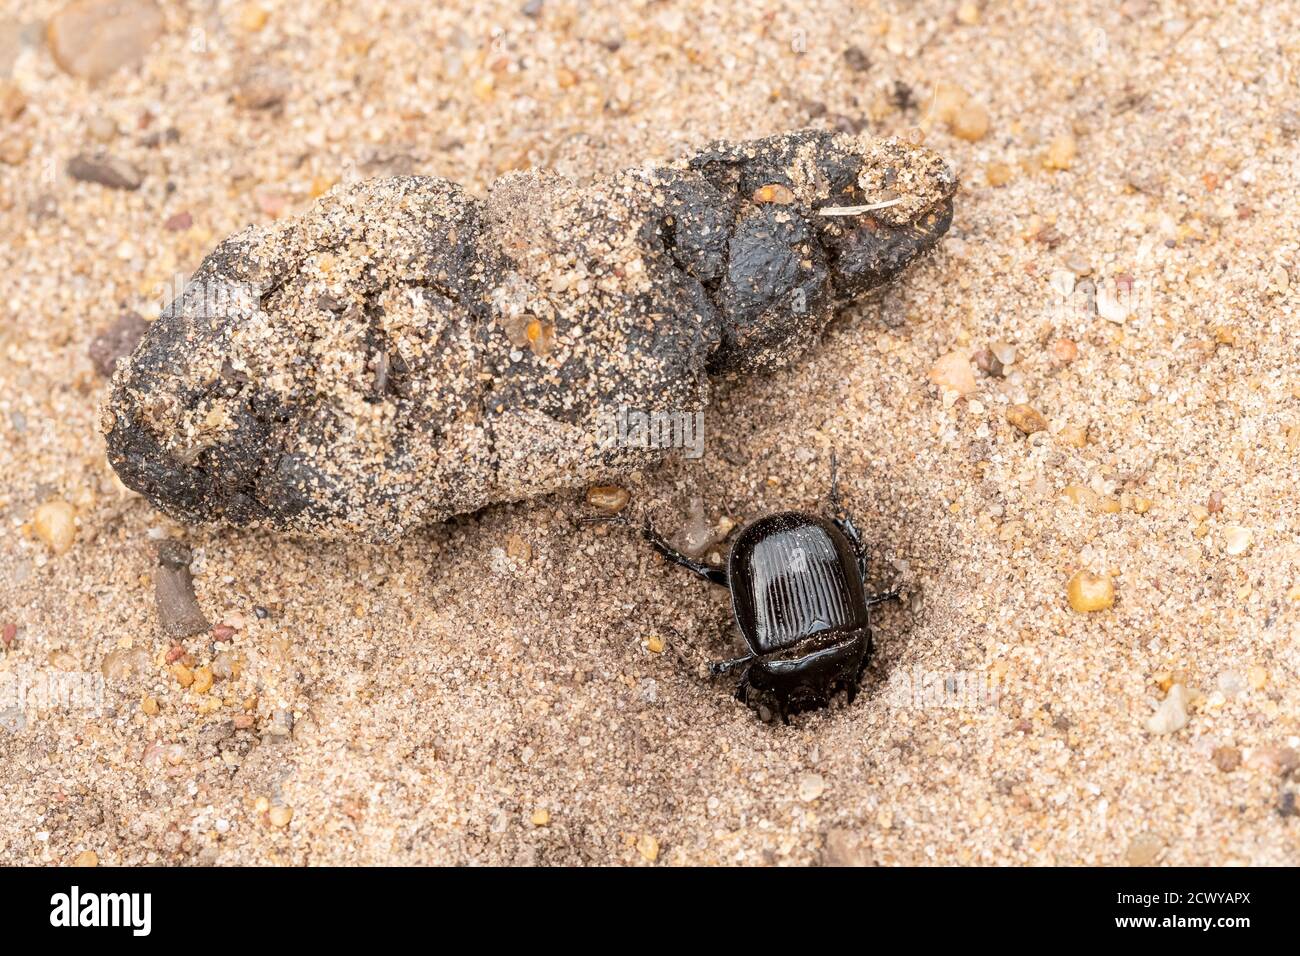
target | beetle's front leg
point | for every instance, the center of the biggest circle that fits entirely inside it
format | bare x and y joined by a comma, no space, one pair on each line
719,668
893,594
657,541
843,520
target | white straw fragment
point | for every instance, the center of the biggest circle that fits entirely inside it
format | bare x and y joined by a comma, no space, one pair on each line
855,210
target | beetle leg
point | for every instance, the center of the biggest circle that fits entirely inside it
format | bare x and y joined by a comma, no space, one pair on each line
845,524
602,519
742,688
718,668
843,520
713,575
835,483
893,594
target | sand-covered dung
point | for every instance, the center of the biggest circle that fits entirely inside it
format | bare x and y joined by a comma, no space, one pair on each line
1071,433
403,352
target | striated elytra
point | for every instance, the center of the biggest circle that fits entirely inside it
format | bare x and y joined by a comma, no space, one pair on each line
405,351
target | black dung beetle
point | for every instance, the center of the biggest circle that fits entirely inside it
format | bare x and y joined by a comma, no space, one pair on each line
798,593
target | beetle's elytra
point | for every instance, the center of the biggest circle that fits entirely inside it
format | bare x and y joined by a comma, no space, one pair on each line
798,595
406,351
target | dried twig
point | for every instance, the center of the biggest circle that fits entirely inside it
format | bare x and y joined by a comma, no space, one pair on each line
857,210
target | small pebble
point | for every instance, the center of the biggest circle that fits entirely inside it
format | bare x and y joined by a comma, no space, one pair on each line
262,87
1143,849
1236,541
1279,280
970,123
1171,716
856,59
541,818
777,193
182,674
225,666
1090,592
987,362
997,174
55,523
223,633
1060,154
954,373
101,128
648,847
1080,494
654,644
149,705
1227,759
93,38
202,680
1064,351
123,663
518,548
1232,684
86,858
1028,420
253,16
116,341
1073,435
179,222
105,170
14,150
8,633
1113,305
280,816
698,534
1062,282
281,723
540,336
811,786
610,499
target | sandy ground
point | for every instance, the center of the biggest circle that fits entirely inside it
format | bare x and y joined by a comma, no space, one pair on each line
504,688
